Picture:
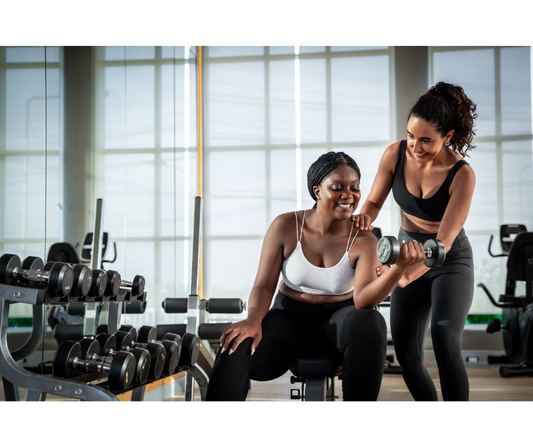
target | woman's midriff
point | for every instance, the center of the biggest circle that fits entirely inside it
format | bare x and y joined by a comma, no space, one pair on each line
414,224
312,299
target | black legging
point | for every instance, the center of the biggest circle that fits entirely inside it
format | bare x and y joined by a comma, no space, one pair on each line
357,339
446,292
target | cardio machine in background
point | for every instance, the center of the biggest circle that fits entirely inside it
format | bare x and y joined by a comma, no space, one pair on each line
66,252
516,324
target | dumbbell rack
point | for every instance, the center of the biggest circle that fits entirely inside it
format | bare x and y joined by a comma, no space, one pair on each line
39,385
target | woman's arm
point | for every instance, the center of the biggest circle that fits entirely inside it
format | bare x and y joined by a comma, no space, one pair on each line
461,192
262,291
369,291
380,189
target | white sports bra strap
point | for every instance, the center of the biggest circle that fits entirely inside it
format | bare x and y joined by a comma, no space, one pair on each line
348,249
302,229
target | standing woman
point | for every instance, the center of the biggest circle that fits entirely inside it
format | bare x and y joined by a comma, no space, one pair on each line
433,186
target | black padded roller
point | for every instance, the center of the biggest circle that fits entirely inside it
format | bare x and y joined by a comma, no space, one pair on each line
135,307
175,305
225,306
211,331
64,332
163,329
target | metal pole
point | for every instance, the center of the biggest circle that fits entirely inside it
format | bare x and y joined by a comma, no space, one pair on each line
90,321
193,303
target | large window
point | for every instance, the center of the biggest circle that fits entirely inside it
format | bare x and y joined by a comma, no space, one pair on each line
269,113
30,175
146,167
498,80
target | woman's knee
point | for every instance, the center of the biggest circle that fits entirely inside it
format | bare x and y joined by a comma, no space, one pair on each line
366,323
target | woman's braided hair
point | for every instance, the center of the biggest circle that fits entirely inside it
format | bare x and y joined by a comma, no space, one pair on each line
447,107
324,166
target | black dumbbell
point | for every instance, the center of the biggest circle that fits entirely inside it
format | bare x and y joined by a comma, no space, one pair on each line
108,350
136,287
69,359
171,343
157,352
58,280
388,251
190,348
83,278
115,283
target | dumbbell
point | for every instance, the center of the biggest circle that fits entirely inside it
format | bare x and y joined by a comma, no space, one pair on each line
158,353
58,279
115,282
388,251
109,349
69,358
93,286
83,278
171,343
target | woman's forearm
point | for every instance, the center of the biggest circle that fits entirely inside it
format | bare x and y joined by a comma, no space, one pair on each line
379,289
371,209
259,303
412,273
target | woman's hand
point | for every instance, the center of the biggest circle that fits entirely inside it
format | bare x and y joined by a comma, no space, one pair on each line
234,334
362,221
411,253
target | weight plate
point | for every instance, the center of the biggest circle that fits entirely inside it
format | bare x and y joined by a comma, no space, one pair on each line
190,348
137,288
61,280
158,356
173,352
143,361
82,280
98,284
107,342
62,365
146,334
33,263
113,283
172,337
388,250
131,330
123,340
7,264
121,372
435,253
89,348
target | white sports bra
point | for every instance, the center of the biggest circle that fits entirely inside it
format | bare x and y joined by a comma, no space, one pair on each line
300,275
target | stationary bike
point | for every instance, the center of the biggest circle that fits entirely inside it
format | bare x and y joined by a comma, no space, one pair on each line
517,311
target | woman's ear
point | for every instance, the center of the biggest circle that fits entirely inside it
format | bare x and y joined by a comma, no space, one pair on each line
316,190
449,136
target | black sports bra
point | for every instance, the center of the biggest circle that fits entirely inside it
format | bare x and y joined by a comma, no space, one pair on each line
431,209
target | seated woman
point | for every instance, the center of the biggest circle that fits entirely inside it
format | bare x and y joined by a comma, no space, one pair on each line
325,304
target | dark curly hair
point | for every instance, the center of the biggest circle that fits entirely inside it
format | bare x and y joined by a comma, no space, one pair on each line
324,166
447,107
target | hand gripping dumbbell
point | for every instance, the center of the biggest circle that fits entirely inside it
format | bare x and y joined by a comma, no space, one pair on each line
109,350
58,280
388,250
115,282
69,359
171,343
158,353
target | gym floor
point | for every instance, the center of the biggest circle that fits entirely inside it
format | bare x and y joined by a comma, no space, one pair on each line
485,385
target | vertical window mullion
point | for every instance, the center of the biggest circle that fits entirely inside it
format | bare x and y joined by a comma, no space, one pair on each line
298,128
498,131
3,66
329,129
268,186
